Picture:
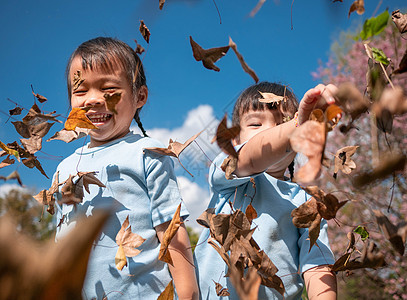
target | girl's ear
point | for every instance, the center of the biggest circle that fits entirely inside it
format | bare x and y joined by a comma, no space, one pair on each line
141,98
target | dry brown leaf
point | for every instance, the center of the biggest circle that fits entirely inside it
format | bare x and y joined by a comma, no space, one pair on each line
327,204
402,66
32,162
128,242
208,56
77,80
77,118
220,290
392,101
309,139
358,6
139,49
161,4
86,178
33,144
395,234
388,165
224,137
111,100
343,160
145,32
27,131
228,166
304,215
39,97
244,65
15,111
172,229
7,162
351,100
168,293
13,175
250,213
400,20
257,8
35,116
270,98
351,238
69,135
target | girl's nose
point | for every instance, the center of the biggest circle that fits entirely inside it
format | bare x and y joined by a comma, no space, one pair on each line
95,99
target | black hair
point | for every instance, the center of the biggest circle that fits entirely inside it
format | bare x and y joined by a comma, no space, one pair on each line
103,53
249,100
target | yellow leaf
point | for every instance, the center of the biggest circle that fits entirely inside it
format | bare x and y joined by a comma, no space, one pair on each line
168,293
120,259
172,229
77,118
10,151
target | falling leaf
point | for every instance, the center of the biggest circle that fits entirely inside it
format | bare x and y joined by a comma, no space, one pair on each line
172,229
86,178
402,66
39,97
161,4
32,162
33,144
225,135
343,160
168,293
388,165
77,80
228,166
10,151
270,98
111,101
35,116
145,32
247,288
69,136
71,193
139,49
77,118
15,111
351,238
351,100
208,56
220,290
400,20
257,8
358,6
250,213
7,162
309,139
244,65
361,230
128,242
395,234
374,25
174,148
331,114
27,131
379,56
13,175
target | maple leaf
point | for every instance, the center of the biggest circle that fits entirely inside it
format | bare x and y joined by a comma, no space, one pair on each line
77,118
69,135
343,160
220,290
270,98
77,80
145,32
208,56
35,116
400,20
128,242
13,175
111,100
225,135
41,278
309,139
358,6
388,165
395,234
351,100
174,149
86,178
139,49
168,293
244,65
169,233
161,4
15,111
7,162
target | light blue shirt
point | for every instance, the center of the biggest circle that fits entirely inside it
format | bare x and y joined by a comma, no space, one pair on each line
140,185
286,245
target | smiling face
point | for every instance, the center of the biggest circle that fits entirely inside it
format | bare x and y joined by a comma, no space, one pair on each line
254,121
90,93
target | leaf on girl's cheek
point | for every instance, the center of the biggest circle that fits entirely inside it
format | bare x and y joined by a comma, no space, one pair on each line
224,137
400,20
77,80
358,6
111,101
77,118
145,32
172,229
208,56
244,65
168,293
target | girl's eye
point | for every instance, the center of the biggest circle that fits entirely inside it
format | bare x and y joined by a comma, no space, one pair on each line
255,125
79,92
110,88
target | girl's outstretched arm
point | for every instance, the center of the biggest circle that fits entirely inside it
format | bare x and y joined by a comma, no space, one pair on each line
183,271
270,149
320,283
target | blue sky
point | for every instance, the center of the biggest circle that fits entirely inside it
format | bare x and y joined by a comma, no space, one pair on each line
38,37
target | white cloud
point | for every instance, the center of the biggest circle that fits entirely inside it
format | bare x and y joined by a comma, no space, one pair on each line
7,187
196,199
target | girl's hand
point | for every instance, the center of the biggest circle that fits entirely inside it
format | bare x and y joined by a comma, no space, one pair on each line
320,96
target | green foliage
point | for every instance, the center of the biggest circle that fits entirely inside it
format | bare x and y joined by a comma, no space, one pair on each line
27,214
193,237
362,231
379,56
374,26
